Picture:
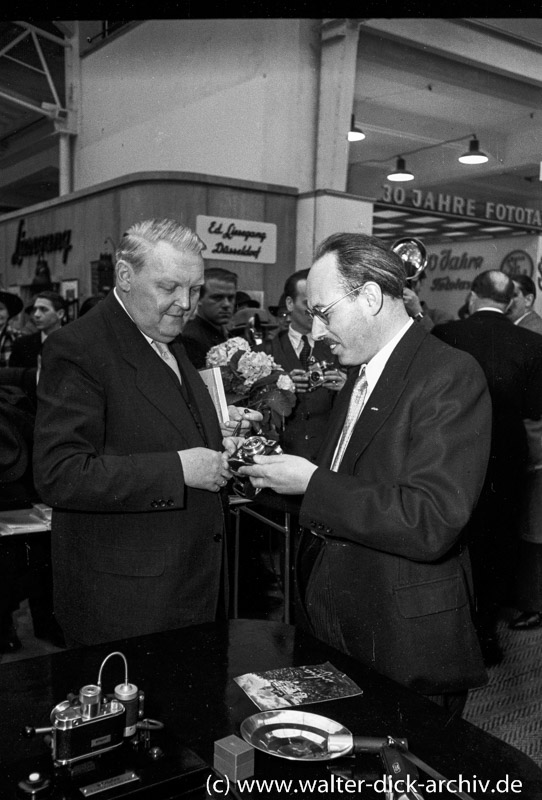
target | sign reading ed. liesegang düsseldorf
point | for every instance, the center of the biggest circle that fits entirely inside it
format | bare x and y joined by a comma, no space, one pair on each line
237,239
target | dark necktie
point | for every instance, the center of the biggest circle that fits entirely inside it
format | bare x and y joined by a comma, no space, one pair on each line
305,352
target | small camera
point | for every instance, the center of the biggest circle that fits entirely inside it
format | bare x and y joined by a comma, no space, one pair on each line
253,446
86,726
316,373
91,723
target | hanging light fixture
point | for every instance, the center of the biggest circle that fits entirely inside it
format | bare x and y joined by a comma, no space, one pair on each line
355,134
401,173
474,155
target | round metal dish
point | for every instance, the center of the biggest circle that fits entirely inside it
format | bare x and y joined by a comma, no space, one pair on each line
295,735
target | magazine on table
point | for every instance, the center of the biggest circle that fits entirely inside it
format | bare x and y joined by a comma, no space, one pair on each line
295,686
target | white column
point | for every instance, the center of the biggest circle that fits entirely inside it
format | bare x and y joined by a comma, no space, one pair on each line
336,101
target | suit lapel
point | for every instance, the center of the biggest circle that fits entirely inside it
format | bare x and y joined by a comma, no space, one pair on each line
199,400
153,377
380,403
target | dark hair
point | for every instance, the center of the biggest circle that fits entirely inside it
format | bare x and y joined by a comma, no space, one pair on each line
290,287
54,298
362,258
526,284
493,285
218,274
89,303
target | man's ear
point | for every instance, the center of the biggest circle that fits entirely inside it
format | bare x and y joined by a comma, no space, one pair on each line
123,272
373,297
529,301
289,304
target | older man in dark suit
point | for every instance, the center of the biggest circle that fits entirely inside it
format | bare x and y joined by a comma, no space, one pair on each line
382,569
128,451
511,358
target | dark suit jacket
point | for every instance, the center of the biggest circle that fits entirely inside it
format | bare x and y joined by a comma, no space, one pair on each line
391,518
532,321
198,337
25,351
305,428
511,358
134,549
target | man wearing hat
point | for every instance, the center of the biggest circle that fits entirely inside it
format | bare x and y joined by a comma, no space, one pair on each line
10,306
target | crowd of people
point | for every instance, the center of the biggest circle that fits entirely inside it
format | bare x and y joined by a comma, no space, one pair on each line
416,458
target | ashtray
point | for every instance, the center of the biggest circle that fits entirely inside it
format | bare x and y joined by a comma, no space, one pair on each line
295,735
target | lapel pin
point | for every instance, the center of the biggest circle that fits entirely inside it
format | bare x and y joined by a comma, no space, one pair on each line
373,408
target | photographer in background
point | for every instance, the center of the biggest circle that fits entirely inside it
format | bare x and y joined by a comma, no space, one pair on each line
418,309
295,350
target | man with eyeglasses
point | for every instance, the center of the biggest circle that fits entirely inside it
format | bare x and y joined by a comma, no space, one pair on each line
382,571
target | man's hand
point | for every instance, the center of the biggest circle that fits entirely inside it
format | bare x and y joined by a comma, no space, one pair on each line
249,419
205,469
334,379
285,474
412,302
301,380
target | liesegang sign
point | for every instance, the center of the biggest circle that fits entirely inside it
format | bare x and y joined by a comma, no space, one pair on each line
237,239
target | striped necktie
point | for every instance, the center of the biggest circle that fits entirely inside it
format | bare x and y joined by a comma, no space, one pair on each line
357,399
305,352
166,355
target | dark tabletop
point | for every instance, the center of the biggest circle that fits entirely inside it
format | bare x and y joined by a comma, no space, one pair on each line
187,676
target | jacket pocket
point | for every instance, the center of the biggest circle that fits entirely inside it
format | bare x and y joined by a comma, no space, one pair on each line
431,597
137,563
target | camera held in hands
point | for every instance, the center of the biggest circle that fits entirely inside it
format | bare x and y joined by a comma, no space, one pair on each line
316,373
244,455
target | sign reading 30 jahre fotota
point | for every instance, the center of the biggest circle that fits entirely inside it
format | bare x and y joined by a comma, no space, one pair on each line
237,239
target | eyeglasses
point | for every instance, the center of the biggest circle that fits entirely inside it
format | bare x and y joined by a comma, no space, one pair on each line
322,313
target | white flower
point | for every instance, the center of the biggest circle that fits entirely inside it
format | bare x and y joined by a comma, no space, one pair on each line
254,366
286,383
237,343
217,356
220,355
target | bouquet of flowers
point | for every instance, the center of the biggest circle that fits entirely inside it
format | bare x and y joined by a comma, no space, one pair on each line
254,380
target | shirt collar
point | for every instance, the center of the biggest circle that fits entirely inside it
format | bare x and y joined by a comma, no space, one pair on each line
148,338
295,338
375,367
489,308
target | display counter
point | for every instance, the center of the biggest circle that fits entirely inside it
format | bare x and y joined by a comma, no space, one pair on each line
188,679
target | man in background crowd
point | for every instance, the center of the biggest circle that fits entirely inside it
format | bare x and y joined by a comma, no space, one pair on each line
296,350
214,311
10,306
418,309
511,358
521,310
383,573
129,452
48,314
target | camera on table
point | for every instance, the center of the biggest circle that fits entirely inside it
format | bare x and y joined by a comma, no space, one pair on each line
91,723
244,455
316,373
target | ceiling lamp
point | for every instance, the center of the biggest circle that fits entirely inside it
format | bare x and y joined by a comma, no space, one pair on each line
474,154
401,173
355,134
